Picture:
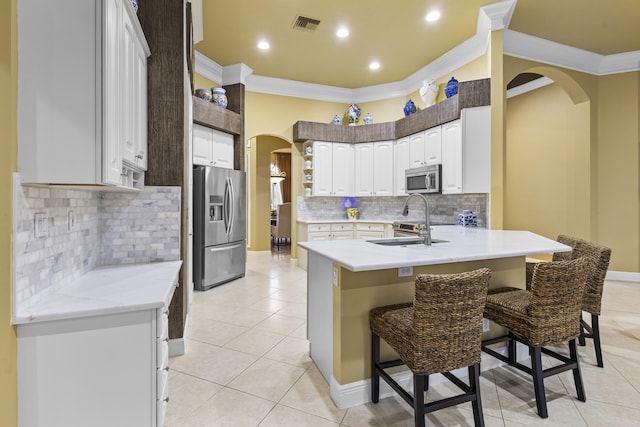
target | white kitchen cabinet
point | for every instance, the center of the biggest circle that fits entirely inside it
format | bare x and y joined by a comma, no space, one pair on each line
108,370
466,152
373,230
332,169
433,146
417,150
374,169
81,93
401,162
212,147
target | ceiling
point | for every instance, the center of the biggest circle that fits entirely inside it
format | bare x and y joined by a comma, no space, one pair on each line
394,33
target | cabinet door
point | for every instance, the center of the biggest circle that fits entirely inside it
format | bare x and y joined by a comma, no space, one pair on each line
318,236
342,173
417,153
322,168
342,235
401,163
382,171
452,158
363,169
128,90
202,145
433,145
111,91
222,151
140,106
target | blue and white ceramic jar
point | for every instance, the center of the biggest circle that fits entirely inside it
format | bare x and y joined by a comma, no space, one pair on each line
467,219
336,120
368,119
204,94
409,108
451,88
219,96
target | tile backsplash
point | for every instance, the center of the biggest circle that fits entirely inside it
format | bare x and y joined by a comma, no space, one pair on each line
444,209
84,229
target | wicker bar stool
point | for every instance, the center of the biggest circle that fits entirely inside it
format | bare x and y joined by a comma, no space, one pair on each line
437,333
592,299
547,314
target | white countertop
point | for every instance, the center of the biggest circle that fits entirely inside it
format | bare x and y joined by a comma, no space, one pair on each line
464,244
107,290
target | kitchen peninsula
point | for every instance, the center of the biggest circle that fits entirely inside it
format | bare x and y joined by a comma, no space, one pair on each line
347,278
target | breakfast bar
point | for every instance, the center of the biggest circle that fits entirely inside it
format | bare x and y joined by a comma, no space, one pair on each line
347,278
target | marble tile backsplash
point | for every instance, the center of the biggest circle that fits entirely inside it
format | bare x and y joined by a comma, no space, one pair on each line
444,209
105,228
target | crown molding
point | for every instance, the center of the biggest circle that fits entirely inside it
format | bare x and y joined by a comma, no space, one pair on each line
528,87
524,46
492,17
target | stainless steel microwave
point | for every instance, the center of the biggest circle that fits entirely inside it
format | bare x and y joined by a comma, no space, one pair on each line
424,179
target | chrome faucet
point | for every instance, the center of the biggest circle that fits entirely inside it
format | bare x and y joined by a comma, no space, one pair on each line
426,235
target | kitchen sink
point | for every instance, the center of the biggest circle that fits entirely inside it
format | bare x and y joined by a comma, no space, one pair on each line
404,241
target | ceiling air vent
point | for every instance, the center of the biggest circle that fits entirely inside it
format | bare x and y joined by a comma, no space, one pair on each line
305,23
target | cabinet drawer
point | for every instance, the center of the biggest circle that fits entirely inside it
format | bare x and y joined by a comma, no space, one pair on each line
341,227
162,323
370,227
162,353
162,383
311,228
322,235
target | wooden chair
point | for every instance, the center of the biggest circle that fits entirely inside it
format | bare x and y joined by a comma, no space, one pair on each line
547,314
437,333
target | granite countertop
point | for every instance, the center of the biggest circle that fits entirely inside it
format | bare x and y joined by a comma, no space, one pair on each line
107,290
463,244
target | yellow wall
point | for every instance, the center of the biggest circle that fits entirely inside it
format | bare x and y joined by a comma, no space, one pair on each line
612,105
201,82
547,164
8,141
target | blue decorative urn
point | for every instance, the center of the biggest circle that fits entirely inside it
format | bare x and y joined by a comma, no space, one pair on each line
467,219
219,96
409,108
451,88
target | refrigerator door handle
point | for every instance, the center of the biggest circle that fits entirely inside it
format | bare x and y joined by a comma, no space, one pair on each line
224,248
225,207
232,210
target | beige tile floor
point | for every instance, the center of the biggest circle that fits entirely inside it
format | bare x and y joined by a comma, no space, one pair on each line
247,364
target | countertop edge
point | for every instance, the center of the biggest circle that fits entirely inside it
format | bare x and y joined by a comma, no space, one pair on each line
76,300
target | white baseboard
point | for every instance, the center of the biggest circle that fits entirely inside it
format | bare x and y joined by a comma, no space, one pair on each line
176,347
623,276
359,392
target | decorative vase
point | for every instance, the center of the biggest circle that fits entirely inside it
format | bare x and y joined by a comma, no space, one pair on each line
134,3
409,108
451,88
467,219
429,92
336,120
219,96
368,119
353,113
352,214
204,94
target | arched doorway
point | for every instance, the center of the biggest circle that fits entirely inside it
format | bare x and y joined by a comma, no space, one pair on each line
259,160
547,158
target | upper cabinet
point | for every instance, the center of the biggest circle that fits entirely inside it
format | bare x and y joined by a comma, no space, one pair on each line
212,147
466,153
374,169
332,169
82,93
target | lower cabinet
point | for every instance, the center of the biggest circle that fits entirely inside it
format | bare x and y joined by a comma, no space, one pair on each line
106,370
339,231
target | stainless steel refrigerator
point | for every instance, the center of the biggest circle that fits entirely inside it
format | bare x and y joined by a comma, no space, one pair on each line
219,226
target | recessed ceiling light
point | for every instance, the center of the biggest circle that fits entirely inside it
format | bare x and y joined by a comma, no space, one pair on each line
374,65
342,32
263,45
433,16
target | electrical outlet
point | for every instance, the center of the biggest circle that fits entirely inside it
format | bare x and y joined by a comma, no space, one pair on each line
71,220
405,271
41,224
485,325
